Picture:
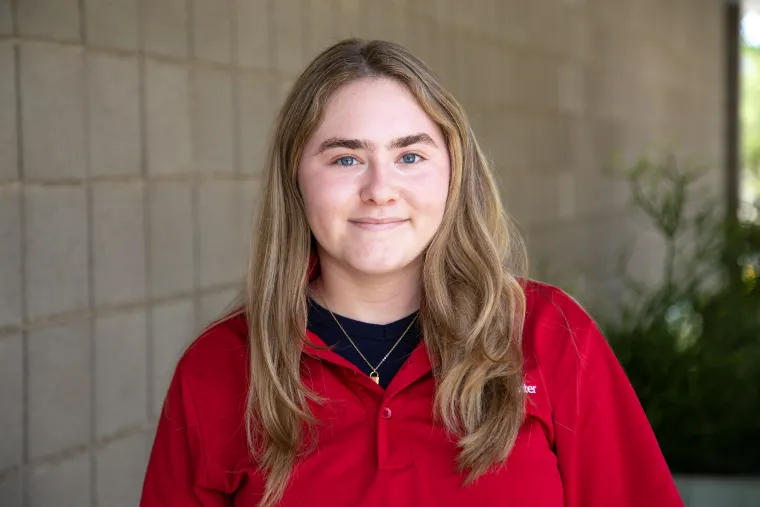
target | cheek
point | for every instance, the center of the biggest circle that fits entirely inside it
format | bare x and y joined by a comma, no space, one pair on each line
320,209
312,195
324,201
432,196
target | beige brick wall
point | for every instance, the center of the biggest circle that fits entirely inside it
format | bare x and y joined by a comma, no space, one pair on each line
131,141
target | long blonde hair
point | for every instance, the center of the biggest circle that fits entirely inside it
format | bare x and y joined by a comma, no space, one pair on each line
473,302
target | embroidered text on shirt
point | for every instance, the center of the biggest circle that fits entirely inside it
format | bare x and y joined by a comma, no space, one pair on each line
529,389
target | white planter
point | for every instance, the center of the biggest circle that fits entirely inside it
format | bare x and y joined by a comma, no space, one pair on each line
706,491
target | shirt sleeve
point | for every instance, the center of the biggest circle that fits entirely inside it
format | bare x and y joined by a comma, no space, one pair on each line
177,469
606,449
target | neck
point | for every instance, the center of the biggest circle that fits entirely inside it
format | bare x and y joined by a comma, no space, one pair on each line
373,299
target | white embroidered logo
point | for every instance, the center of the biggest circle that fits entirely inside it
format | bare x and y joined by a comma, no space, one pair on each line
529,389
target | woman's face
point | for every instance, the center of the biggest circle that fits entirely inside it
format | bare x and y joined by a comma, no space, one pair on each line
374,178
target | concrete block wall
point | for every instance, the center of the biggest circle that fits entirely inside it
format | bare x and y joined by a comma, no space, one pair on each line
132,135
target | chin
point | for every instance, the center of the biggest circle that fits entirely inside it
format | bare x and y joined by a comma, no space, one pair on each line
378,267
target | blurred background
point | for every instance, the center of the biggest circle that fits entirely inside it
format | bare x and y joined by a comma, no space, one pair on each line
625,135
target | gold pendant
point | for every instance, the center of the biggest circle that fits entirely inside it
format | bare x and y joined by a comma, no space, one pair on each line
375,376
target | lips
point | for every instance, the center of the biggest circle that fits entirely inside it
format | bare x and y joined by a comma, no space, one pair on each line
385,220
378,224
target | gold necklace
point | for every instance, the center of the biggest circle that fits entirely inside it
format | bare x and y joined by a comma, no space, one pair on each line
374,375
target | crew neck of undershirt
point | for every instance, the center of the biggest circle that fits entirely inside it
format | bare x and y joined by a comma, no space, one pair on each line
320,318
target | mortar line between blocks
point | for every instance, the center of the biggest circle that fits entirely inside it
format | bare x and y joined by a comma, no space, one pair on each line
91,303
189,28
25,369
82,21
14,17
195,180
237,158
146,209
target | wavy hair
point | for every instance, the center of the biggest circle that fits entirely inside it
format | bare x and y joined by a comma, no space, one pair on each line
473,303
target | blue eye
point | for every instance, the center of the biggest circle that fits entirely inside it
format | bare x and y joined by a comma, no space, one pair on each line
346,161
410,158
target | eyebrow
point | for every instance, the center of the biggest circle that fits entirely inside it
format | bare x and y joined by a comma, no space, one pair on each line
359,144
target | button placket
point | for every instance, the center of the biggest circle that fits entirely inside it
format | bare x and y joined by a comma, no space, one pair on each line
392,447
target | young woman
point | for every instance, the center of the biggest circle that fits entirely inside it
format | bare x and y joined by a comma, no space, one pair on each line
389,351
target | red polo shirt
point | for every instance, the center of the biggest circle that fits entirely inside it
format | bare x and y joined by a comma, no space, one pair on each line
585,441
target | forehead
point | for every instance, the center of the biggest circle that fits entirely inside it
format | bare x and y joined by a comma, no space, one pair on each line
374,108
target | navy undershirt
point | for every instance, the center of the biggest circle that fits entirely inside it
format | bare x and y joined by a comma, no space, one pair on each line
374,340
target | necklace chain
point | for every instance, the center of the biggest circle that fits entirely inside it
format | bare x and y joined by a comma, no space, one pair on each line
374,375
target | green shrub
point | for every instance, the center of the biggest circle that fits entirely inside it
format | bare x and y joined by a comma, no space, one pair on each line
691,343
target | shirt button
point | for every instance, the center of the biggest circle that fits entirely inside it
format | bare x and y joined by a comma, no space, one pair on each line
387,413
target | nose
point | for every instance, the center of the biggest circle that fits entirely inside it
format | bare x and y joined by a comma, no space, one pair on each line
379,186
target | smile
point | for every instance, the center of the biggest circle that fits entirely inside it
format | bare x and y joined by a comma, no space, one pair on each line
379,225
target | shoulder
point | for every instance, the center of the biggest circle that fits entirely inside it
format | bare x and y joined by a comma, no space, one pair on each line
220,350
214,373
565,353
551,305
557,328
204,409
